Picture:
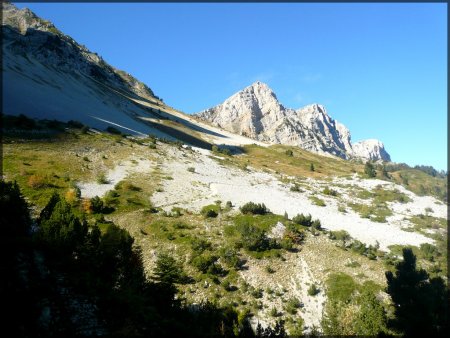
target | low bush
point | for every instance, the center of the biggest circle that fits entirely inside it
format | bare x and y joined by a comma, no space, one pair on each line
269,269
37,181
101,179
306,221
274,312
313,290
231,258
254,208
210,211
292,305
255,239
199,245
329,192
96,205
257,293
207,263
428,251
219,150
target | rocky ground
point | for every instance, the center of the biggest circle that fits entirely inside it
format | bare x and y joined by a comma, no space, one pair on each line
193,178
212,181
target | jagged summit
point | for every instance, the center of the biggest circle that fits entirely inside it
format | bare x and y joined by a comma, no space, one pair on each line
256,112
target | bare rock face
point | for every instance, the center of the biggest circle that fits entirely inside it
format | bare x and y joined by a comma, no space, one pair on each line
255,112
27,35
371,150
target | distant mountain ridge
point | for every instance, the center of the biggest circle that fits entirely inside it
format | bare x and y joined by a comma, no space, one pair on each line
256,112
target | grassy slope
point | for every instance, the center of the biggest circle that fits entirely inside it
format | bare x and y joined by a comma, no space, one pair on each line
274,158
61,161
67,157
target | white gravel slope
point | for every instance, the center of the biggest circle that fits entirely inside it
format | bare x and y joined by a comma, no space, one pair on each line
212,182
114,176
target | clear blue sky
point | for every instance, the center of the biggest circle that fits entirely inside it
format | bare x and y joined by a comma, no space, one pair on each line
380,69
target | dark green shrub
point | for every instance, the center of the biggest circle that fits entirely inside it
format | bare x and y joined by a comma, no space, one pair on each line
294,234
59,228
302,220
75,124
257,293
254,239
313,290
24,122
15,220
269,269
168,270
198,245
429,251
96,205
295,188
254,208
330,192
206,263
210,211
369,169
113,130
274,312
292,305
231,258
101,179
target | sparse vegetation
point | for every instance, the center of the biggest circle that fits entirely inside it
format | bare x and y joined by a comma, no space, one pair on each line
208,252
317,201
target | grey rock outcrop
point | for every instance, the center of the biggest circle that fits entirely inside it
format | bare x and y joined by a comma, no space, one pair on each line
256,112
371,150
25,34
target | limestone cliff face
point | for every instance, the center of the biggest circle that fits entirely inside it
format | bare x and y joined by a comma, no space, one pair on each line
256,113
371,150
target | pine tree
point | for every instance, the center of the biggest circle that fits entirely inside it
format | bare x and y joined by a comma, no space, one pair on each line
371,319
369,170
420,302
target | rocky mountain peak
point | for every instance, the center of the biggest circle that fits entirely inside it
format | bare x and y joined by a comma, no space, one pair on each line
256,112
257,93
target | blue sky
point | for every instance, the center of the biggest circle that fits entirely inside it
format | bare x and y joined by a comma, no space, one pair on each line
379,68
